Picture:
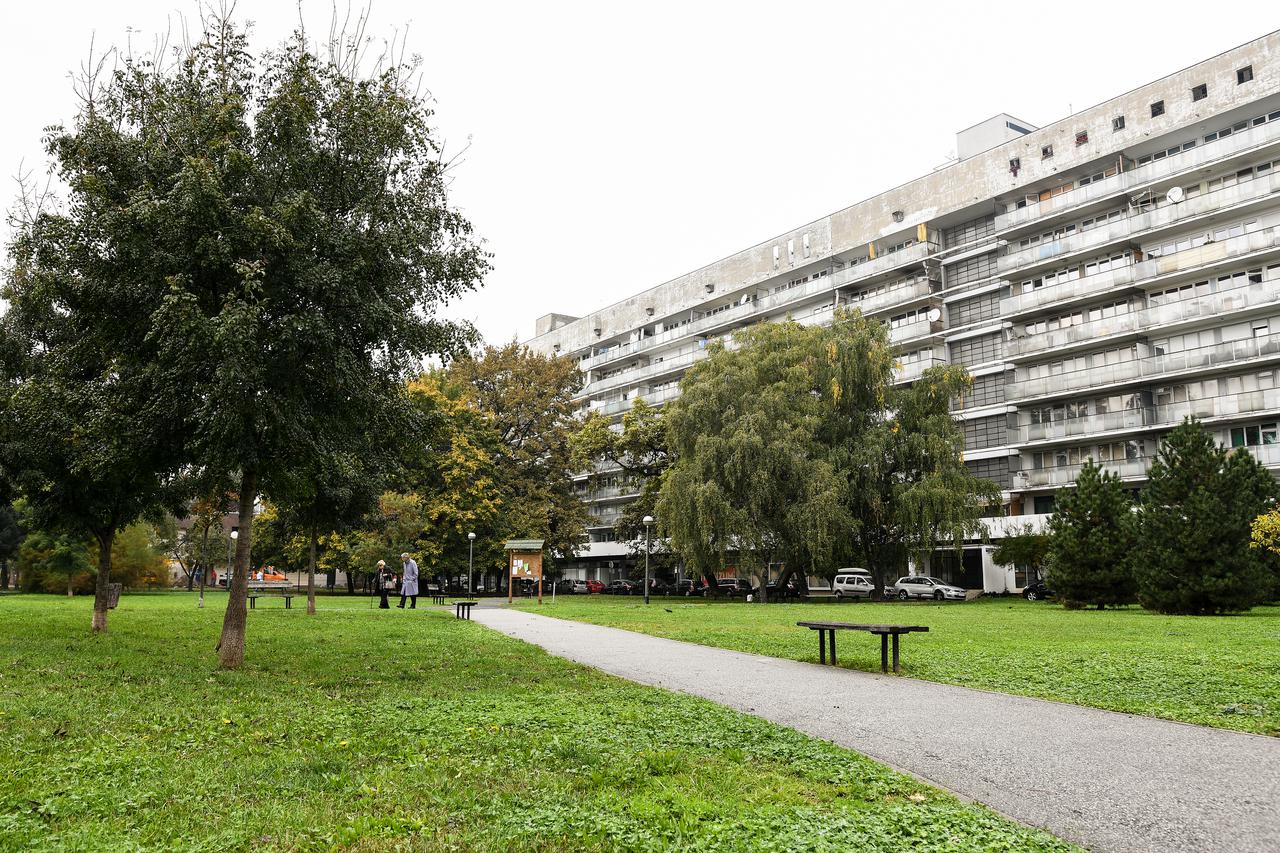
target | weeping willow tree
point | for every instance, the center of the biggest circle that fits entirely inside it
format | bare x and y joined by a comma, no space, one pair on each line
795,447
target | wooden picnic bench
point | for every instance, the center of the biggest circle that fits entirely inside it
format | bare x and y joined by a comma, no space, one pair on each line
828,629
462,609
254,596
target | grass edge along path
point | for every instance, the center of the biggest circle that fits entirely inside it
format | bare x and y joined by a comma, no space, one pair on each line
378,730
1221,671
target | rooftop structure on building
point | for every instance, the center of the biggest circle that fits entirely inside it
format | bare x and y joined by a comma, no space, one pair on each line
1101,277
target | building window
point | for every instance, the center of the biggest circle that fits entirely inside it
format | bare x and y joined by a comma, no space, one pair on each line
1014,165
1043,504
985,432
1157,109
1117,123
1244,75
1199,93
1082,137
977,350
1046,152
1253,435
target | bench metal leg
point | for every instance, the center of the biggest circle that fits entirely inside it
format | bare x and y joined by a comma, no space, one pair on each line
288,603
884,652
895,652
253,604
833,647
822,646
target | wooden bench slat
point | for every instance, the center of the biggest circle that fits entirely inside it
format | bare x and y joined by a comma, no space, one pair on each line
850,626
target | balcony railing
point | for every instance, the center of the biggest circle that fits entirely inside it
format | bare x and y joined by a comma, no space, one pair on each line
918,288
913,331
1205,154
1146,367
912,370
1181,311
1068,291
1116,231
1065,475
653,398
1208,253
1068,428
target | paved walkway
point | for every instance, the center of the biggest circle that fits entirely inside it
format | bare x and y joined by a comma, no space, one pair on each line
1105,780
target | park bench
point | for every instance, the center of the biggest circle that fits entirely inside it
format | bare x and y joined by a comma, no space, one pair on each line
828,629
462,609
254,595
437,598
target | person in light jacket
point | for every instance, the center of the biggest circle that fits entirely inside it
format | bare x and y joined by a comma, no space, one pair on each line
408,582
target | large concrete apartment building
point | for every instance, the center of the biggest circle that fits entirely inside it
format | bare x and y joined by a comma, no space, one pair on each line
1101,278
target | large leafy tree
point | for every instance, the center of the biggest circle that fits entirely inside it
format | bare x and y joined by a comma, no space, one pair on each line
526,399
1195,524
1091,550
795,446
277,235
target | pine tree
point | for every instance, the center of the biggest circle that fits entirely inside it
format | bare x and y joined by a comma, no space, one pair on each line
1092,542
1194,527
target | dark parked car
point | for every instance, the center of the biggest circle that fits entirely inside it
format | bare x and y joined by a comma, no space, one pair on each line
732,587
623,586
1036,591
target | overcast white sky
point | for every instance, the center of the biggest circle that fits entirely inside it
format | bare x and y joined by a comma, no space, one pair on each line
616,146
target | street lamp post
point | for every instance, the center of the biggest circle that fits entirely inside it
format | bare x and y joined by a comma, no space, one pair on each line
471,553
648,523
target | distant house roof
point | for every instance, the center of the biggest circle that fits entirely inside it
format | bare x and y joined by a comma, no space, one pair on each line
523,545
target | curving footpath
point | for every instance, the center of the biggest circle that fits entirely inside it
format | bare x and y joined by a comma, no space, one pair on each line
1104,780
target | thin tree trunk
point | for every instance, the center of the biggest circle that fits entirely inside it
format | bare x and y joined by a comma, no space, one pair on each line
102,589
70,580
311,575
204,570
4,575
231,643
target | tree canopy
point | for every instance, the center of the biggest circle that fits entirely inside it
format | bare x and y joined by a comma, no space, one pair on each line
795,446
263,242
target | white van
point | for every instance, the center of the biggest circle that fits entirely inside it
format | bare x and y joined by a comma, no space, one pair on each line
853,583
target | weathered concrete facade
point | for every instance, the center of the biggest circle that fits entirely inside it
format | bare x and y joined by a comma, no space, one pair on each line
1100,277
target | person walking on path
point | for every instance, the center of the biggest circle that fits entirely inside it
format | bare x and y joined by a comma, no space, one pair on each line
386,582
408,582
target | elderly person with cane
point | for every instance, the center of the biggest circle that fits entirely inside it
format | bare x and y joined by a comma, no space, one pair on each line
408,582
386,582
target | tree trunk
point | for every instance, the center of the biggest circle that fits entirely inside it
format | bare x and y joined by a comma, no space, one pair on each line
204,571
4,575
70,580
231,643
311,575
102,589
351,582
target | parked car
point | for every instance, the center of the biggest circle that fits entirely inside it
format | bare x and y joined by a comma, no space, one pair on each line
730,587
1036,591
853,586
657,586
622,586
923,586
595,587
688,586
578,588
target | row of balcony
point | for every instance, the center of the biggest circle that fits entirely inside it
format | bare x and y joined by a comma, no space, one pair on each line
1204,155
1143,272
1138,468
1209,306
1168,415
774,302
1145,367
1133,226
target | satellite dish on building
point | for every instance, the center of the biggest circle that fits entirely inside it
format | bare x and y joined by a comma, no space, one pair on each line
1175,195
934,315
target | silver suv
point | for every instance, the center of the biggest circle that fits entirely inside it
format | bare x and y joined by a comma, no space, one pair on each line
923,586
852,586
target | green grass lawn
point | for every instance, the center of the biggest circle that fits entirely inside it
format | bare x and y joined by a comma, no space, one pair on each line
393,730
1216,671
